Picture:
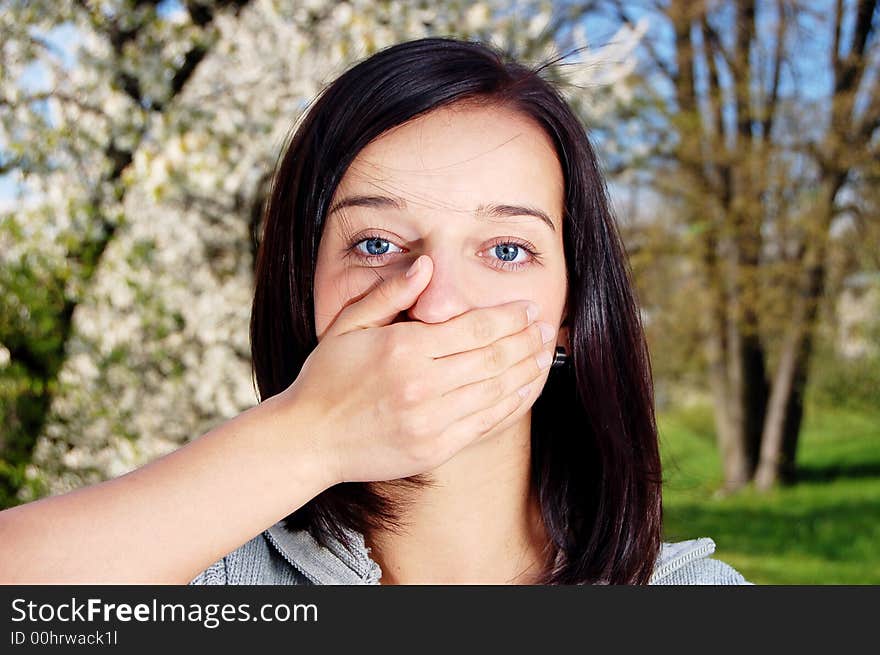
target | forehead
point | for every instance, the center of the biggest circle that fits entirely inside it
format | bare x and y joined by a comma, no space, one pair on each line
461,156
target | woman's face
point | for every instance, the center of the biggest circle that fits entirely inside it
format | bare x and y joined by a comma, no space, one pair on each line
428,188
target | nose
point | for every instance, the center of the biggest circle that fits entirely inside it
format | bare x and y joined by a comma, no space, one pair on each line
445,296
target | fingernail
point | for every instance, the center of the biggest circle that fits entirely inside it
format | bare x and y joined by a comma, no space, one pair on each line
547,331
532,311
523,391
414,268
544,358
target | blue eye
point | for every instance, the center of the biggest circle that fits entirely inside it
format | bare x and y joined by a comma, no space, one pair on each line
505,249
507,252
375,246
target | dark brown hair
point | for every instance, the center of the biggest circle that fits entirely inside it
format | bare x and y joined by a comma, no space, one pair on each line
595,460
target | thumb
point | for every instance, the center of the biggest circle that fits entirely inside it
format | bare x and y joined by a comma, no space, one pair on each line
380,304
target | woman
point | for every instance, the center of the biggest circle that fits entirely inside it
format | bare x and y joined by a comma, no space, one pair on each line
455,382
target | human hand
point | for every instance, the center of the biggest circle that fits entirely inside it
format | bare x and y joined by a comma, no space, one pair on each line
392,400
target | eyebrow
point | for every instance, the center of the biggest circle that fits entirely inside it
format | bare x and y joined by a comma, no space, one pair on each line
482,212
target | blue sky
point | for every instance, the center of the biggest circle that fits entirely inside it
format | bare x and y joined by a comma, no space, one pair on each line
34,78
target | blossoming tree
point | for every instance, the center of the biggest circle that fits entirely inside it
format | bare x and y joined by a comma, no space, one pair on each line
142,158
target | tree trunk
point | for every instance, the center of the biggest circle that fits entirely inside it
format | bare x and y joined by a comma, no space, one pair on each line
782,427
793,417
785,410
755,394
29,412
722,354
783,387
728,425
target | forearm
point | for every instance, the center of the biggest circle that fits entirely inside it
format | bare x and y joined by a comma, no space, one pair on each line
168,520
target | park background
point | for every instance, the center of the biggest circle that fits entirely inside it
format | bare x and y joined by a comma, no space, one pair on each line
741,142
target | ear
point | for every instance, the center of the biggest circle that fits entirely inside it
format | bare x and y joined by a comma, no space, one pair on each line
562,338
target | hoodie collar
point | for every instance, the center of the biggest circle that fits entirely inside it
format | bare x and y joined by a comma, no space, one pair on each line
674,556
337,564
331,564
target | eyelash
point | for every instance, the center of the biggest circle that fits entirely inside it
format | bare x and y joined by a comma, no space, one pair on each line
500,241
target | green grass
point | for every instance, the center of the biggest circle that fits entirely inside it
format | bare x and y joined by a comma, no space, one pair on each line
823,530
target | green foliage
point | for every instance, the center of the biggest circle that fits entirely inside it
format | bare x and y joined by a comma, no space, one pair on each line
33,328
841,382
853,383
822,530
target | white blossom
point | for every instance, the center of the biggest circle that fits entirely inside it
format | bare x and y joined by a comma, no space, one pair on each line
159,352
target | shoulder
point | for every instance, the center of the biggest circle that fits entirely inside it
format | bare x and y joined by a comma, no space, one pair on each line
253,563
284,556
691,563
278,556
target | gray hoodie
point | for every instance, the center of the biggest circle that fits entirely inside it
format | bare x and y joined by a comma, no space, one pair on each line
279,556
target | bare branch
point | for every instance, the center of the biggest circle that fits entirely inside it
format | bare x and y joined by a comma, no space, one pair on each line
835,47
61,96
712,35
656,59
686,94
745,30
772,103
10,165
715,97
848,74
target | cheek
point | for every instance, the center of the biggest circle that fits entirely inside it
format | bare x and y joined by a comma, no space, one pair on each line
553,290
327,299
548,288
337,286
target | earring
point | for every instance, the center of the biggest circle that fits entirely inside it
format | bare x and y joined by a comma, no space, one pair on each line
560,358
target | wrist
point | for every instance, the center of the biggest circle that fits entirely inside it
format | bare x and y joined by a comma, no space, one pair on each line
300,440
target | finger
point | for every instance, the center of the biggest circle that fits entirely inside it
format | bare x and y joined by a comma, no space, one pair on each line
461,369
474,426
381,304
475,328
469,399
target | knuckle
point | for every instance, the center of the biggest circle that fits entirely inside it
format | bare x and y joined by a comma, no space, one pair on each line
416,426
421,456
423,451
411,392
396,345
493,358
482,329
493,389
485,422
